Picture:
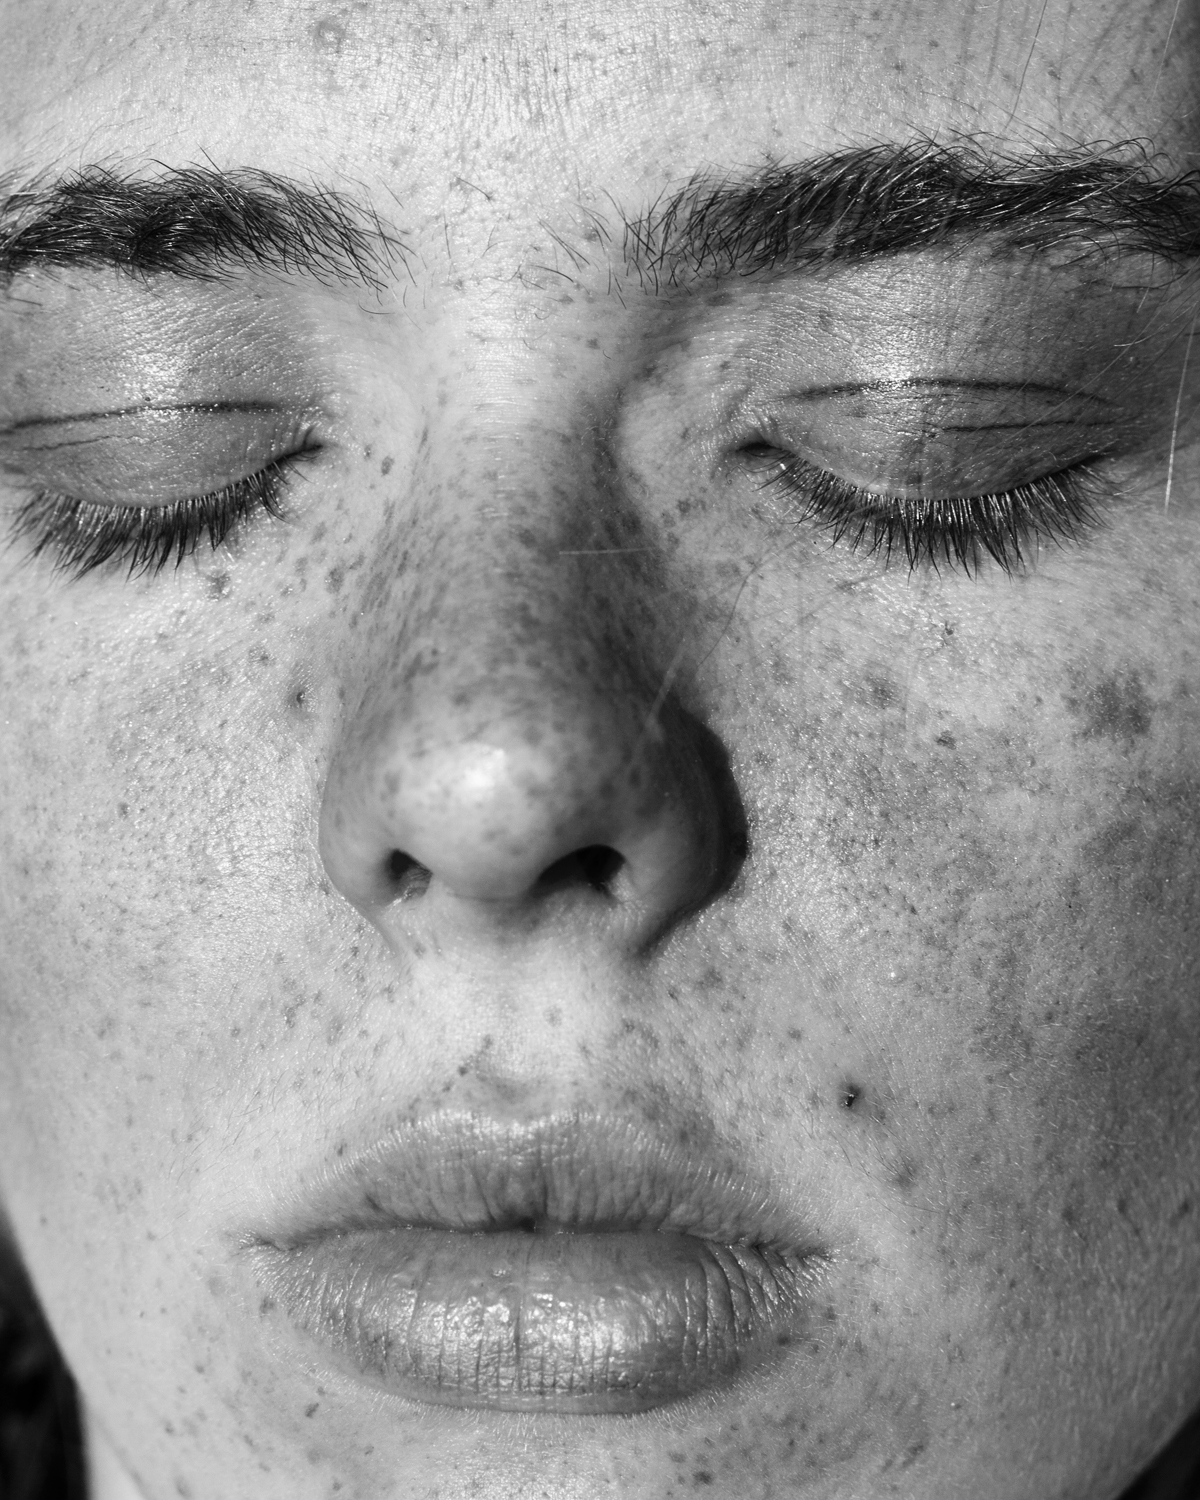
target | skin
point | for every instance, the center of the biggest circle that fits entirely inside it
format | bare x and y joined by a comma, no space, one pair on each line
949,1004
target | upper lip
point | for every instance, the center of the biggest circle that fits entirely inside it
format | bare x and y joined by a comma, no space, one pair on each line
583,1172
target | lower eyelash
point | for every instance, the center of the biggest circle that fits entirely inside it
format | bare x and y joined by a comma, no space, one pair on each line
81,535
959,531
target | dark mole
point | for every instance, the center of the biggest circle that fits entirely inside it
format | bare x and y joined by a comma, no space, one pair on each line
1115,708
850,1095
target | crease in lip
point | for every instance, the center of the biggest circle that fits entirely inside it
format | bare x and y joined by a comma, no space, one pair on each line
576,1171
576,1263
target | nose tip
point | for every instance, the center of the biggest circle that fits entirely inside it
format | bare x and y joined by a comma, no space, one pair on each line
505,821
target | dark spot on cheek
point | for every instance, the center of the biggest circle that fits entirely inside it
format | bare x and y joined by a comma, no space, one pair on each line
946,740
385,468
334,580
849,1095
1116,708
883,691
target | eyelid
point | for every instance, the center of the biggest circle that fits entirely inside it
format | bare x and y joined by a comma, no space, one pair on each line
151,454
938,437
941,383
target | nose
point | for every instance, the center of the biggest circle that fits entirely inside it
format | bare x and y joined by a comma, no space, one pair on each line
526,765
595,807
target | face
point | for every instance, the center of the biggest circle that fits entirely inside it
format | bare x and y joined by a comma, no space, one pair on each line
762,918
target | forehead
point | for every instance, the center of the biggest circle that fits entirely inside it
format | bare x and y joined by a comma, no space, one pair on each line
519,104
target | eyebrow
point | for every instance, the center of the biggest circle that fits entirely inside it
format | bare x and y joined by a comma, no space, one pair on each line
879,201
203,223
195,222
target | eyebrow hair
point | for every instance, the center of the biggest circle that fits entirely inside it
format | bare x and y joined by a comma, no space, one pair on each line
877,201
195,222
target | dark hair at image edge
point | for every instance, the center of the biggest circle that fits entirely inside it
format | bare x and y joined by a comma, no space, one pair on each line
41,1446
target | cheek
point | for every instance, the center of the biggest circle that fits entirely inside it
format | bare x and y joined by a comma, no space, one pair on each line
994,872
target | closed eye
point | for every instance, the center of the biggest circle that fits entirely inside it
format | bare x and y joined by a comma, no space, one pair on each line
83,535
957,531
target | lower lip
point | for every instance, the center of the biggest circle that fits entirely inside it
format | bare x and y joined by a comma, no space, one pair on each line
545,1320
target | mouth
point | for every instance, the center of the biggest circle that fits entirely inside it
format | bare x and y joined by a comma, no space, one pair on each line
575,1264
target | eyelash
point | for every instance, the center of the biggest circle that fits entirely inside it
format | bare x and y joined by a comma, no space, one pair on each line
82,535
958,531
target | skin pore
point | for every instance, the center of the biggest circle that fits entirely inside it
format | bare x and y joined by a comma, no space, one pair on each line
918,939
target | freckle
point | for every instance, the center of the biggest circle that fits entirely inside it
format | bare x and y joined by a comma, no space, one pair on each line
884,692
310,1411
795,1034
267,1305
219,586
122,809
385,468
946,740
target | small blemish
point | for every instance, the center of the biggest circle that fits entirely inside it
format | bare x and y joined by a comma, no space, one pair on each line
267,1305
334,579
884,692
311,1411
328,35
850,1095
1116,708
385,468
946,740
219,586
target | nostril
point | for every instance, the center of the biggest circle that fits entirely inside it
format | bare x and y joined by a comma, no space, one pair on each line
596,865
406,875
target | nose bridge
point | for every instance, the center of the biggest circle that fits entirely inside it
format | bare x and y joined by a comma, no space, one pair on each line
512,742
